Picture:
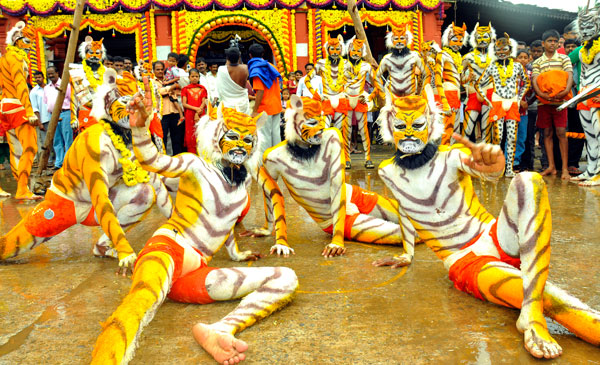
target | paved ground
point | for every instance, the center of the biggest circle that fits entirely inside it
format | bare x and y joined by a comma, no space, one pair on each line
53,298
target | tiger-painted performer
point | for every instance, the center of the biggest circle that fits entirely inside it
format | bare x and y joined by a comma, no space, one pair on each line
335,104
212,195
310,163
483,254
357,72
506,76
474,64
85,79
453,39
588,28
432,57
16,114
98,184
401,72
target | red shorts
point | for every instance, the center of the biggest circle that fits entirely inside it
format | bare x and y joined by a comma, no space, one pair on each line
189,288
473,102
548,116
464,272
85,119
343,107
365,201
453,98
12,115
498,112
588,104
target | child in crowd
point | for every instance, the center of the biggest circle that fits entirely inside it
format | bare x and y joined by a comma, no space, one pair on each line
549,71
292,83
172,77
285,96
523,59
194,97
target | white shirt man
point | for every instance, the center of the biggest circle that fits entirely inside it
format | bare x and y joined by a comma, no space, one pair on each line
316,82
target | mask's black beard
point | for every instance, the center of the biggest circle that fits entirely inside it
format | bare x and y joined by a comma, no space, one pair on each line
303,154
354,61
590,43
334,61
400,52
235,175
415,161
93,65
120,131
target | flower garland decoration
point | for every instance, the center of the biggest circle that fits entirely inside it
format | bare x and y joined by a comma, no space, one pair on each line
588,54
355,69
341,79
89,74
133,173
153,34
293,45
456,58
482,65
17,50
310,17
505,74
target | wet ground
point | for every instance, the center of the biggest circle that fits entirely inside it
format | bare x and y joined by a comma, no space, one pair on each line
53,298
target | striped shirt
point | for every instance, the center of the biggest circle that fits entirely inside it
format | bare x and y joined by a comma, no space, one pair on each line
556,62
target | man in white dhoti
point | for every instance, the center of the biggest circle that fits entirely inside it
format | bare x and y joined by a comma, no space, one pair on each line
231,82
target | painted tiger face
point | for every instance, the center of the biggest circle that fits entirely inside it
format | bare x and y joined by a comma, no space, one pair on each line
335,47
457,36
240,136
356,49
23,38
588,24
118,111
410,124
400,38
304,120
428,50
502,47
93,52
483,36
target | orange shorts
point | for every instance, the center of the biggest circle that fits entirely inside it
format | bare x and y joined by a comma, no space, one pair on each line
189,288
365,202
588,104
156,126
53,215
85,119
343,107
473,102
12,115
453,98
464,272
498,112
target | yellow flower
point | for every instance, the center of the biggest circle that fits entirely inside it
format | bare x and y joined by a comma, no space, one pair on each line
132,170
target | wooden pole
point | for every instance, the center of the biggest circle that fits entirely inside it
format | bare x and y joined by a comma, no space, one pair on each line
360,30
64,83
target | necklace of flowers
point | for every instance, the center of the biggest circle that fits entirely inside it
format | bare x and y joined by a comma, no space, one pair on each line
482,65
17,50
341,80
504,75
456,58
588,55
356,69
133,173
89,74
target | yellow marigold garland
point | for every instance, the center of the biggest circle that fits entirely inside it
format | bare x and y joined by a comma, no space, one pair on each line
482,65
17,50
341,79
588,55
456,58
504,75
89,74
133,173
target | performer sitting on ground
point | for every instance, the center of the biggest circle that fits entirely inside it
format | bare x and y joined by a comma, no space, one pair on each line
310,163
231,82
506,76
212,194
16,114
357,72
483,254
97,166
335,104
474,64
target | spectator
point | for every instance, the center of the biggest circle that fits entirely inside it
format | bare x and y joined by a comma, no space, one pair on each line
194,99
63,137
316,82
118,64
170,121
285,96
108,62
292,83
231,82
576,145
36,96
211,81
127,64
553,68
265,82
523,59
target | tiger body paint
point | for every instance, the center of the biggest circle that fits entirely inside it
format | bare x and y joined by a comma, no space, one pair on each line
588,28
505,76
16,114
332,71
502,259
432,57
89,189
310,163
453,39
474,64
357,71
211,196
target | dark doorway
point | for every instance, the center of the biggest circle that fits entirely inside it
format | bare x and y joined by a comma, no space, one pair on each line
212,49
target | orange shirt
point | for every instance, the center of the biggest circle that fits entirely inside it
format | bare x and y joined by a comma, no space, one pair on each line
271,101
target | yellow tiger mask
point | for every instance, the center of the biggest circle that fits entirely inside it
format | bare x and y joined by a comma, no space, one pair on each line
335,47
482,36
239,135
304,120
455,37
399,38
21,36
356,49
92,51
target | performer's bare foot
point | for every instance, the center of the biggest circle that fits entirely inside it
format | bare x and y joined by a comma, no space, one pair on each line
565,175
537,340
548,171
223,347
28,196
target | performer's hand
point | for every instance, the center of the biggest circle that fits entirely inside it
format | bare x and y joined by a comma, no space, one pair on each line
332,250
253,256
126,264
140,107
33,120
362,99
282,250
395,262
485,157
256,232
524,104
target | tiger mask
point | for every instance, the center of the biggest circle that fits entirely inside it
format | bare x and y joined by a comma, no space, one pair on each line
455,37
92,51
482,36
109,104
357,49
430,49
304,121
399,39
21,36
335,48
505,47
587,24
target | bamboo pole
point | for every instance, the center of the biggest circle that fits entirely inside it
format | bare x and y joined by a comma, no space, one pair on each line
360,30
64,83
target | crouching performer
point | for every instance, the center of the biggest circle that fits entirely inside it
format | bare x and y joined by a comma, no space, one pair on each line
98,184
211,197
484,255
310,162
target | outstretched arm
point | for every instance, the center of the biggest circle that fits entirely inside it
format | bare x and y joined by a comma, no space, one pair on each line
234,251
338,196
482,160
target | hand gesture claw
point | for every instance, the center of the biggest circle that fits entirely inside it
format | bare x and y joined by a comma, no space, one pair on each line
394,261
140,106
485,157
282,250
256,232
126,264
332,250
249,256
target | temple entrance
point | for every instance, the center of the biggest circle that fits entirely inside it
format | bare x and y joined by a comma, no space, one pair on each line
212,48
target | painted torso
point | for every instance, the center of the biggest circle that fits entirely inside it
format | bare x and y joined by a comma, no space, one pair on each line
450,73
476,62
590,73
401,78
356,76
13,78
510,90
332,87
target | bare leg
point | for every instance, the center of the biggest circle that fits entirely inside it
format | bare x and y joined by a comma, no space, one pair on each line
511,144
17,240
549,146
488,129
469,122
341,122
563,144
22,141
590,121
448,129
363,131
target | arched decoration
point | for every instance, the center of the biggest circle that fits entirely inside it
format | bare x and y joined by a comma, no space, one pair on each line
49,7
324,21
57,25
273,25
